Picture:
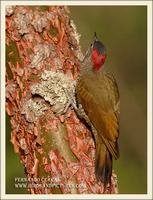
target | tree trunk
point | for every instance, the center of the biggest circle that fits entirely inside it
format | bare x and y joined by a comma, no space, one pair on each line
42,61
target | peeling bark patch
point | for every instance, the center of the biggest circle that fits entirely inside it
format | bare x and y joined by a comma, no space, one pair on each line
41,52
75,33
23,145
22,21
10,89
52,88
9,10
40,21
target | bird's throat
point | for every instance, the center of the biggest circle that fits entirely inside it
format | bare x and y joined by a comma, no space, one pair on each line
97,60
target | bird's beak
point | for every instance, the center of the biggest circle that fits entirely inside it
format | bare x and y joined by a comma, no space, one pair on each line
95,37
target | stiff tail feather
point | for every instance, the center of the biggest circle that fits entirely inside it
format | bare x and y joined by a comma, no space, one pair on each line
103,165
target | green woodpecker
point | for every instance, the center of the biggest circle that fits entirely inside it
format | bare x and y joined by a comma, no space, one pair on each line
98,94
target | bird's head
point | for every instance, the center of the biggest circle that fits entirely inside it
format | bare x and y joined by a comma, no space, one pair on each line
98,54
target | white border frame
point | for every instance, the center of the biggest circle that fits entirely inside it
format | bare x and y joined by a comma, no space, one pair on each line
149,101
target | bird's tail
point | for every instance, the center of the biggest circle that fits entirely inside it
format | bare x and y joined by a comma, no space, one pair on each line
103,165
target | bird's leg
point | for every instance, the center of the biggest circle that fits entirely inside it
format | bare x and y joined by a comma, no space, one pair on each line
71,99
79,110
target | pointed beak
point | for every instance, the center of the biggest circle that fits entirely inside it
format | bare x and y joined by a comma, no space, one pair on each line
95,37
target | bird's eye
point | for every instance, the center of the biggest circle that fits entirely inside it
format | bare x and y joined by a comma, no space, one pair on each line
91,45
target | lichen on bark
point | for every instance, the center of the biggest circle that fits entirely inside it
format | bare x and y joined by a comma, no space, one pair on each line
42,61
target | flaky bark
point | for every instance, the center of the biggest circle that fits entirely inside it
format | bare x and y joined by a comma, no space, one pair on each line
42,60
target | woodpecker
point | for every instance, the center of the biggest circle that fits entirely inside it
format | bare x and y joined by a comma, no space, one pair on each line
97,93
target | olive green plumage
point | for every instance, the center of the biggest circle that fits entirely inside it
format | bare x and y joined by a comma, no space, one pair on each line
98,94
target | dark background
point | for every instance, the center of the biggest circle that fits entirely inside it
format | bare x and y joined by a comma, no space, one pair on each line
123,29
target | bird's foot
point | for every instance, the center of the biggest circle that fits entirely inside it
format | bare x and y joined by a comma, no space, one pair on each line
79,110
71,99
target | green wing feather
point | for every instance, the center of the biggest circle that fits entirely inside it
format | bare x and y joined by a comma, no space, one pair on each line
99,97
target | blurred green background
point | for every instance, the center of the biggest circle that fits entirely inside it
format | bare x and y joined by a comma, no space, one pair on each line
123,29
